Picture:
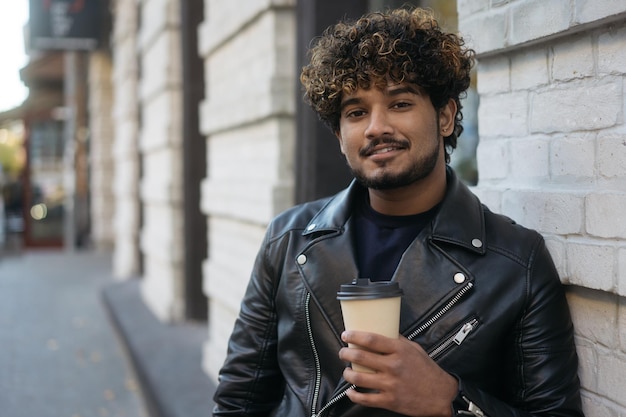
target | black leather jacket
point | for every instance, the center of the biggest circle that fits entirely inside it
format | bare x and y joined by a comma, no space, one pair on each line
481,295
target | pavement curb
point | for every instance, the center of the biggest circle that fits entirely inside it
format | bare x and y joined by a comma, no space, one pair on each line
167,357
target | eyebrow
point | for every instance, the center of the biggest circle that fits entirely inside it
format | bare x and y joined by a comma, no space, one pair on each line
396,91
392,91
350,101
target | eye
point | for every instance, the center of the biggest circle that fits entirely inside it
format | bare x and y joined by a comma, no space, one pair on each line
354,113
401,105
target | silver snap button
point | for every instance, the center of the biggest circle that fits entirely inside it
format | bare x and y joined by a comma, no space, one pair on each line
477,243
311,227
301,259
459,278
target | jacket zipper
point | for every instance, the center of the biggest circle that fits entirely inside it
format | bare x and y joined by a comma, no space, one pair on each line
414,334
441,312
318,368
457,338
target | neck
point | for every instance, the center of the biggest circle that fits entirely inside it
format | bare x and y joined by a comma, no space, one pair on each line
415,198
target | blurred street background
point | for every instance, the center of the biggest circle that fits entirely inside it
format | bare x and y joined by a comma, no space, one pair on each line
74,342
59,353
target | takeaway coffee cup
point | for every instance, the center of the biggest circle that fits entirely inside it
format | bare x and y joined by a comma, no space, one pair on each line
372,307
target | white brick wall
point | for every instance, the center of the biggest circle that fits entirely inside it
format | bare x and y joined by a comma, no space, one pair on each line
577,106
552,155
572,158
226,272
529,69
248,118
611,156
513,23
160,143
126,258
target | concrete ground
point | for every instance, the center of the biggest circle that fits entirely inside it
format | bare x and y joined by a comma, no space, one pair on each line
76,343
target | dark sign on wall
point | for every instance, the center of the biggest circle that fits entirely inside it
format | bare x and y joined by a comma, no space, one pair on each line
66,24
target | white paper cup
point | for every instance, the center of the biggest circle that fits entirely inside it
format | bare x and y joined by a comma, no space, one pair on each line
371,307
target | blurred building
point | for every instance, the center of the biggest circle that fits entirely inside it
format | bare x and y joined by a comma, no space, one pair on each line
183,133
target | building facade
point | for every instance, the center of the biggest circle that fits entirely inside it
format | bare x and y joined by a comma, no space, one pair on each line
208,139
552,152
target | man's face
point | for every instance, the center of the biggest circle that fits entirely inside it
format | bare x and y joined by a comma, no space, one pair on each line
391,137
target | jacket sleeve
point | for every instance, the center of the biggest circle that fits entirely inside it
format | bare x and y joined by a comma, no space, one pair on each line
541,377
250,382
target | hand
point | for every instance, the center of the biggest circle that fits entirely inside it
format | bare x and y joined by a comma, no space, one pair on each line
407,380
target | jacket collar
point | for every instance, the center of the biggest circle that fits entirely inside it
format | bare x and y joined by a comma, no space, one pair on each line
460,220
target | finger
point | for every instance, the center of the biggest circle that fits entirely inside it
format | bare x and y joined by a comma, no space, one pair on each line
358,356
366,397
364,381
369,341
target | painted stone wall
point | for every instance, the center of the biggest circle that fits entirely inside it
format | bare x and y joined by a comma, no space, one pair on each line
125,115
552,155
248,119
160,148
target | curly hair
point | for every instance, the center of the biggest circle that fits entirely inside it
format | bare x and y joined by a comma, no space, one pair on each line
402,45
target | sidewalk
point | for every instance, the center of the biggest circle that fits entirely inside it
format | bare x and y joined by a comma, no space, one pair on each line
76,343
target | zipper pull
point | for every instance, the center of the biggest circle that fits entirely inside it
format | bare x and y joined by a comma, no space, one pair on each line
465,330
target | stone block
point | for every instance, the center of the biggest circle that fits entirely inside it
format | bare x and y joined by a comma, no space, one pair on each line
595,406
611,371
594,315
535,19
611,155
572,157
606,215
503,115
162,126
481,40
232,253
159,287
161,65
529,69
573,106
612,51
592,10
157,16
494,75
531,159
558,213
572,57
592,265
493,159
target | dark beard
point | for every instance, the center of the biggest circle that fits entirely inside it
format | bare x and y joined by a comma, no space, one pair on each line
420,170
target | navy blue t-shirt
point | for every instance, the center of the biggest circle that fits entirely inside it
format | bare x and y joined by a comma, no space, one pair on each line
381,240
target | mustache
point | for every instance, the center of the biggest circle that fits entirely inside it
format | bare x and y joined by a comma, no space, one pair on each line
383,141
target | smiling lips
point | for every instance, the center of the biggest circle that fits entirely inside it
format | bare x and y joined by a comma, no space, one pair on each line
382,148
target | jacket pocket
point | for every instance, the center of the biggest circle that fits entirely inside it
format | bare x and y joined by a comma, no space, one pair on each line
455,338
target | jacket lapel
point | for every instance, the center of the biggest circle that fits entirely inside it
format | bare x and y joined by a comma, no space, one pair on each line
427,279
329,260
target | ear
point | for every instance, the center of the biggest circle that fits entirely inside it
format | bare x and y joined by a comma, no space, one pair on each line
447,116
338,136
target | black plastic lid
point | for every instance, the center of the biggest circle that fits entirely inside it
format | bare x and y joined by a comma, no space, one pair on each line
364,289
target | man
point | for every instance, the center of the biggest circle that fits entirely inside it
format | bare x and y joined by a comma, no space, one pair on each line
485,325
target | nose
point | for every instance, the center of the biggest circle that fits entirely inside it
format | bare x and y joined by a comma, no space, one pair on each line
379,124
